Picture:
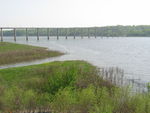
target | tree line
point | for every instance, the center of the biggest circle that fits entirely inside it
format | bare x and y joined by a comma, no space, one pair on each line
107,31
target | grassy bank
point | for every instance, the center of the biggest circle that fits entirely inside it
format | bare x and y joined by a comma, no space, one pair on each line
65,87
14,53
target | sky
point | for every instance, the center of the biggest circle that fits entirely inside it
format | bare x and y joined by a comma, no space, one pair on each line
73,13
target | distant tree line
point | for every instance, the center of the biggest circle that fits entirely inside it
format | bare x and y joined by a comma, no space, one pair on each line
108,31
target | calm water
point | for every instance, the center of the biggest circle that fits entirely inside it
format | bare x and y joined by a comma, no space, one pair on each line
130,54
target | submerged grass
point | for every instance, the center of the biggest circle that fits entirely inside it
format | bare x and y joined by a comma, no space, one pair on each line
65,87
14,53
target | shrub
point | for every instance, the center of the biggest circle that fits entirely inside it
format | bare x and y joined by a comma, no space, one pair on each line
64,101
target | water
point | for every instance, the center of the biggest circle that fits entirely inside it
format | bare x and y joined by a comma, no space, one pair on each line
130,54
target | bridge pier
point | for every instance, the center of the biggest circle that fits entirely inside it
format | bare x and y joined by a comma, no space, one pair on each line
14,34
74,33
95,32
66,33
81,33
57,34
47,33
1,34
26,34
88,32
37,33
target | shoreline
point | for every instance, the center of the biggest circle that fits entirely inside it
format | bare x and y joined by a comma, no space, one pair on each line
12,53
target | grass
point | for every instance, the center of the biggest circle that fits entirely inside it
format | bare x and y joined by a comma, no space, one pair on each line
65,87
14,53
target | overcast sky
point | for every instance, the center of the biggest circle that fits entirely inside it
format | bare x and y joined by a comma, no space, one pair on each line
71,13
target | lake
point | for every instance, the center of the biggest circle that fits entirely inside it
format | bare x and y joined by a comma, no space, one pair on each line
129,53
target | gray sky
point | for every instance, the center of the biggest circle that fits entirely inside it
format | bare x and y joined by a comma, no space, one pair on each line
70,13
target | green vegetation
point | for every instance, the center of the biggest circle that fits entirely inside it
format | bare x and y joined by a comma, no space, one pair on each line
13,53
148,86
113,31
65,87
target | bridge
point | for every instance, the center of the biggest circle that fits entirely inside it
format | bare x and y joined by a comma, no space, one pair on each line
48,32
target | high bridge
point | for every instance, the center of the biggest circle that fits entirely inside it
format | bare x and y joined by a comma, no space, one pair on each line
14,29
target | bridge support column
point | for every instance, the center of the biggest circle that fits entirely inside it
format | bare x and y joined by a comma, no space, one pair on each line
1,34
47,33
88,32
81,33
66,33
37,33
74,33
95,32
14,34
26,34
57,34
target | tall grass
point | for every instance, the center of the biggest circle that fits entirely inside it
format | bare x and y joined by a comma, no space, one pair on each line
65,87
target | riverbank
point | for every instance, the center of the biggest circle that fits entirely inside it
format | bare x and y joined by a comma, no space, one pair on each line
15,53
68,86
